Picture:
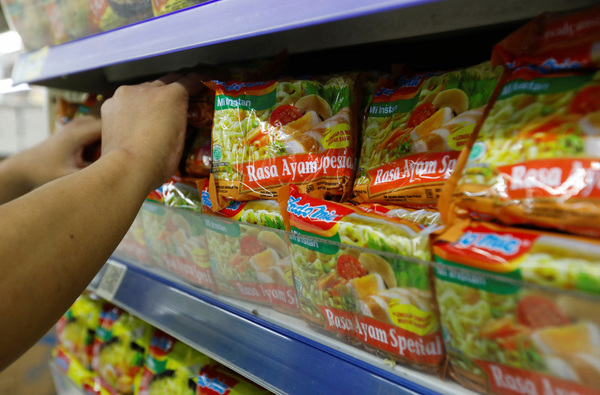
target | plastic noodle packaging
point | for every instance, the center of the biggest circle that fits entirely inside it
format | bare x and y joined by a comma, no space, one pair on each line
423,217
183,249
524,335
217,379
198,156
267,134
250,262
381,300
119,349
536,157
171,367
415,129
76,328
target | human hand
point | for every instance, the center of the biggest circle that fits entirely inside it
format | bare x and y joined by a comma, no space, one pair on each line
147,123
61,154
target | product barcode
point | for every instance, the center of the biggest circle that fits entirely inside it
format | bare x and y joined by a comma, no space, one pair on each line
111,280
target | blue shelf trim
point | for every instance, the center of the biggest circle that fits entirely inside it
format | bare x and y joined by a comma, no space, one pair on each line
289,362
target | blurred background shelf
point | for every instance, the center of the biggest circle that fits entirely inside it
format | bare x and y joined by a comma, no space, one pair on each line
235,30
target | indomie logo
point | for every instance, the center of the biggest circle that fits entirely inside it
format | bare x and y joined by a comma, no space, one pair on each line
319,213
504,244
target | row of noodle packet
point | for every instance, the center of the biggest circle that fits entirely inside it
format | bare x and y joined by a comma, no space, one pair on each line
535,158
359,275
249,260
525,316
272,133
415,129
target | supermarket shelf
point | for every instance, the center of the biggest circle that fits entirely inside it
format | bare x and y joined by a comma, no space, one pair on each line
235,30
278,351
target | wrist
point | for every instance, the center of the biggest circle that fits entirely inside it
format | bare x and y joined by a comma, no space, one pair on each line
126,168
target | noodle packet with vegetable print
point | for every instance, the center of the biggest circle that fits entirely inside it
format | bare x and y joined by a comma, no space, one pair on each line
358,276
119,348
416,127
268,134
75,330
536,157
171,367
249,260
516,331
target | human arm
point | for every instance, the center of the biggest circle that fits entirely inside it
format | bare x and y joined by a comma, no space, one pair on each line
55,239
59,155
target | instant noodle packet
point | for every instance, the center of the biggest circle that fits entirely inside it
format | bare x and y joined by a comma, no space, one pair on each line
119,348
171,367
75,330
358,276
268,134
250,262
416,127
536,157
508,328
